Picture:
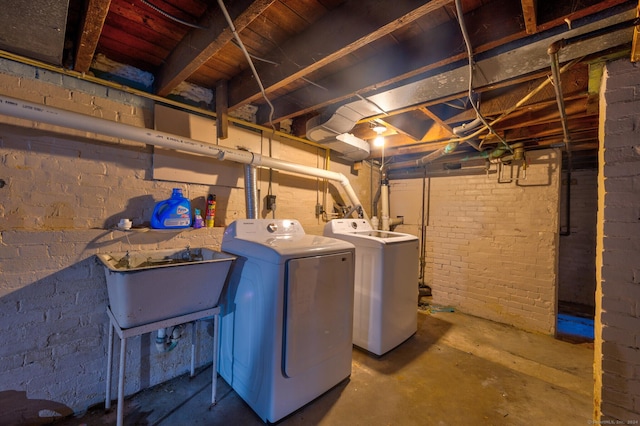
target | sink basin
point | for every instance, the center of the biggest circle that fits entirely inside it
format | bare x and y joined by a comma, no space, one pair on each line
149,286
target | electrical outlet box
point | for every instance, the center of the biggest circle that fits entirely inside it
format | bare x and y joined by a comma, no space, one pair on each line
270,202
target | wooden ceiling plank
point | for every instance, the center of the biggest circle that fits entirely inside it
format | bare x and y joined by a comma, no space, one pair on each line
141,16
92,24
635,42
402,62
574,83
575,107
312,98
411,124
199,45
436,132
222,110
529,15
426,111
330,38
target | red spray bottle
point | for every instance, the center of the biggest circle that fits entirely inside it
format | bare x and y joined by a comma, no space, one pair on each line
210,212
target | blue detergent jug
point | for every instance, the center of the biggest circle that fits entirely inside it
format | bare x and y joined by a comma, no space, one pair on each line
174,213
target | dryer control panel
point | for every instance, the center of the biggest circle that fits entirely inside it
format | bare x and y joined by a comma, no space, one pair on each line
264,229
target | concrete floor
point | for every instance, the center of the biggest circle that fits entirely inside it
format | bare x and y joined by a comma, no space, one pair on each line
456,370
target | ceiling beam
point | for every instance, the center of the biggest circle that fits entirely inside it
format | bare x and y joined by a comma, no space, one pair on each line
201,44
575,82
529,15
92,23
332,37
635,44
426,111
442,72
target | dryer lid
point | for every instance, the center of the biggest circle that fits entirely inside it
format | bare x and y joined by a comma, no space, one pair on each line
258,238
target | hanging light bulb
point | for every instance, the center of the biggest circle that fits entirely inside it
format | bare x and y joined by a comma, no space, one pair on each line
379,129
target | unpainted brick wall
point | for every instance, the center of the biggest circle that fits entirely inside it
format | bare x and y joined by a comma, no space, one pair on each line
491,248
577,262
64,192
617,366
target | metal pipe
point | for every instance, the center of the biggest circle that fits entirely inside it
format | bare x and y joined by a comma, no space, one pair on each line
466,127
493,154
251,191
73,120
429,158
417,174
423,232
553,51
245,157
376,198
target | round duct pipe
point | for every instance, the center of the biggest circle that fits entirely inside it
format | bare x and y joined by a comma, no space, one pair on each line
251,191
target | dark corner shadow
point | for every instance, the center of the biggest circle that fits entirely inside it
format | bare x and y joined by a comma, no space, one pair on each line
17,409
430,330
71,285
135,208
132,237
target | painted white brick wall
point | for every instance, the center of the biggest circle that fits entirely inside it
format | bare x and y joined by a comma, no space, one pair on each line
617,366
65,190
491,248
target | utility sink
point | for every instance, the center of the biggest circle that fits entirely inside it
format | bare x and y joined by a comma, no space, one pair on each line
149,286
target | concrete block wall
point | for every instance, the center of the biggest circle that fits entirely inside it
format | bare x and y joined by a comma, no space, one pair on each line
577,267
617,344
63,193
491,248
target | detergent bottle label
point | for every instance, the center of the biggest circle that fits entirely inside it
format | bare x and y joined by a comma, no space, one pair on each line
177,222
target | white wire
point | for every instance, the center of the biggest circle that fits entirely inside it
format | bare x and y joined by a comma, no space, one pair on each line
467,43
248,56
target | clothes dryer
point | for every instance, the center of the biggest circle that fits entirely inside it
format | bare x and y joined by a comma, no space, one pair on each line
386,284
286,315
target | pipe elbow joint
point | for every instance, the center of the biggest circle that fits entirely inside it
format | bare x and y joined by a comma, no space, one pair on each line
555,47
451,146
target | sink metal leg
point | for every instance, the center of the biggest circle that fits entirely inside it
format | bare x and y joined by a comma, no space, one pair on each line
123,334
193,349
123,356
107,402
214,366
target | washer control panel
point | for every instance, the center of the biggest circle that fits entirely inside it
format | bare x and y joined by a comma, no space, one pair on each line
349,225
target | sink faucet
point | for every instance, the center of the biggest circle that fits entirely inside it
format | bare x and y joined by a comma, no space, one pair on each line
187,254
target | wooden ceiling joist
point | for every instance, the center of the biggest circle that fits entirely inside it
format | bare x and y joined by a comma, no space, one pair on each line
92,24
197,47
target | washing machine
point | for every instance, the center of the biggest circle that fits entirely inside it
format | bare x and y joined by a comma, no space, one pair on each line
286,315
386,284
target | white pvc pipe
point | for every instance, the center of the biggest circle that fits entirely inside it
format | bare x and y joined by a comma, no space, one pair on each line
384,201
73,120
258,160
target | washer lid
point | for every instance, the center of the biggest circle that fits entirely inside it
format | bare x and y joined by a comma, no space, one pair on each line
356,230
